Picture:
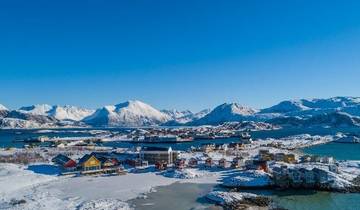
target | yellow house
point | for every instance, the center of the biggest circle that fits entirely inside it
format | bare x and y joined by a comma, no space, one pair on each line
289,158
89,163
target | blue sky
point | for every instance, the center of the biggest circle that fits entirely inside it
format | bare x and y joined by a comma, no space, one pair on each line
177,54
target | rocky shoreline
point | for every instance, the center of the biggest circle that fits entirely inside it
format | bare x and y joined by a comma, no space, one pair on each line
268,183
242,201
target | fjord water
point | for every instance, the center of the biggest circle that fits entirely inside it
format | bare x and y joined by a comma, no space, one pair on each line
7,137
178,196
14,138
192,196
340,151
305,200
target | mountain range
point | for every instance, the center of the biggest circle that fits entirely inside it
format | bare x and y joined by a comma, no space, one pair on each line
330,112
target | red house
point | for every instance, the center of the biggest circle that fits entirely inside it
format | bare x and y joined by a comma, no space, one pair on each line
64,162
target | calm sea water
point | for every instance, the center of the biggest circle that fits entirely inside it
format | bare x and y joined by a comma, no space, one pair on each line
7,137
305,200
177,196
184,196
340,151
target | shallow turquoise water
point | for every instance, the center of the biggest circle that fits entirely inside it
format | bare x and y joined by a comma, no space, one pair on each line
304,200
192,196
176,197
340,151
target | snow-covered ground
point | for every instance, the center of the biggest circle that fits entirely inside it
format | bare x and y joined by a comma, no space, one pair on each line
105,204
222,198
54,192
43,192
248,179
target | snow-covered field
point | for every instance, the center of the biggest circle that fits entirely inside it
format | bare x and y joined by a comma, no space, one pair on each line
249,179
53,192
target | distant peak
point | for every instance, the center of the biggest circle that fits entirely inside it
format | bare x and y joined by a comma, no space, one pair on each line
2,107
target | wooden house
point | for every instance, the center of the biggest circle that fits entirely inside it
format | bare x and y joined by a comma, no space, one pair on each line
107,162
289,158
106,159
64,162
89,163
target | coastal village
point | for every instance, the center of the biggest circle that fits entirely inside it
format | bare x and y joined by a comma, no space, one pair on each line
179,105
287,169
239,164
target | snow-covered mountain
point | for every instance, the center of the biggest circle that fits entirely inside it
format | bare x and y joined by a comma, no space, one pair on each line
336,111
2,107
176,114
38,109
15,123
3,111
285,107
182,117
131,113
248,125
59,112
291,112
19,119
227,112
334,119
43,116
70,112
201,114
312,107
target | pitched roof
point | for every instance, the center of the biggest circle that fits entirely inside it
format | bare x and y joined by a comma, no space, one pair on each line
84,158
61,159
